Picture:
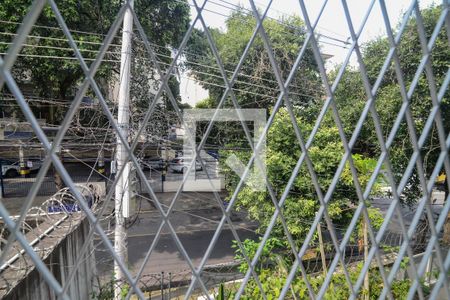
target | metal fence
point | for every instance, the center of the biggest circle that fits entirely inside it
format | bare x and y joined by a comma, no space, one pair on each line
338,240
20,187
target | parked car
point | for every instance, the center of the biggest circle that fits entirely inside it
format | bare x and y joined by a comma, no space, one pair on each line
11,168
181,164
152,163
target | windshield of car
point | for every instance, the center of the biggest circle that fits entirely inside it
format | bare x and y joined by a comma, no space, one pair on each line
8,162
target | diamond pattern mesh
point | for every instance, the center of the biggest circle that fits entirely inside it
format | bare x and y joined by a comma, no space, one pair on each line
339,237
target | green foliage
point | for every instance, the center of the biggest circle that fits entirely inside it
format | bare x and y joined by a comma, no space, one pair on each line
206,103
326,150
256,86
222,293
351,98
364,167
404,263
268,255
106,291
282,153
47,66
124,291
376,218
273,280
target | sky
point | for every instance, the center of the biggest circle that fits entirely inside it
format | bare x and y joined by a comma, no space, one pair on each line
332,25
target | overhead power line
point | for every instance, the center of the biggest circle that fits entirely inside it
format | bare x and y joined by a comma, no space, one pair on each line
184,51
159,54
236,8
156,52
187,77
160,62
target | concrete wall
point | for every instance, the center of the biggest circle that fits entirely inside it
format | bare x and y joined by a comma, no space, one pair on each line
60,262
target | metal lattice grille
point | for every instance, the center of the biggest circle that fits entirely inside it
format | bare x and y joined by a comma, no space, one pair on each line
339,238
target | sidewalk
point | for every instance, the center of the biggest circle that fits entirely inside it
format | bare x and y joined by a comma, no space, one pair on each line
14,205
185,201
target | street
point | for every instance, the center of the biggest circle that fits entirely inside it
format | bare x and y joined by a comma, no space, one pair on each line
166,256
195,220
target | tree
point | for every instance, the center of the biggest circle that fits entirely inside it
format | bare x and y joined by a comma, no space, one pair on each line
256,85
283,149
351,97
47,66
257,88
47,63
326,151
282,153
206,103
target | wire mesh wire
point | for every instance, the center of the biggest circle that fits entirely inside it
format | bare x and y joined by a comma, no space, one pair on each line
349,261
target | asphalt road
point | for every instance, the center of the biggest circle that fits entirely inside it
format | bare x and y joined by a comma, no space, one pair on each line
195,230
167,257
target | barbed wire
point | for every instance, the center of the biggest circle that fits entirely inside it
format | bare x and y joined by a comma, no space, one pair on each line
53,219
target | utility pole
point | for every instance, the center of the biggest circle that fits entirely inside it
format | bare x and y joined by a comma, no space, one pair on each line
122,196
